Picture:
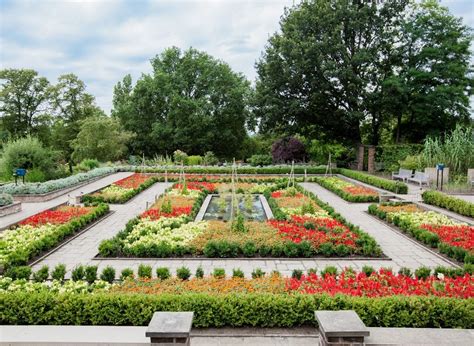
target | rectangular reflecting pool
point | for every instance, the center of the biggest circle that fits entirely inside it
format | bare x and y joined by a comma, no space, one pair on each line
250,206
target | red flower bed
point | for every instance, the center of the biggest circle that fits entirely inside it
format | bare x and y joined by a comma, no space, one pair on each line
315,230
197,185
360,191
382,284
133,181
155,214
58,216
280,194
456,235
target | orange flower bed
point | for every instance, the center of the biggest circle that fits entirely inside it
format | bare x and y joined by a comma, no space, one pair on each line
409,208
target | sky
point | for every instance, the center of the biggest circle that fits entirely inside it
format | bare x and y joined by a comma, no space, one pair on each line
103,40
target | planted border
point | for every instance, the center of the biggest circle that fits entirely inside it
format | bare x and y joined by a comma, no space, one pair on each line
423,234
451,203
231,310
228,170
394,186
353,193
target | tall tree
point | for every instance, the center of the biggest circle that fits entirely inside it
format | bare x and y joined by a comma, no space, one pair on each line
72,105
24,100
190,102
431,89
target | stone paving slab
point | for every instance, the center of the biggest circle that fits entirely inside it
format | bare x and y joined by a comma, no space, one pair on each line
29,209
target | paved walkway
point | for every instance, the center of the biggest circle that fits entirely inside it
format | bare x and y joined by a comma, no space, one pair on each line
29,209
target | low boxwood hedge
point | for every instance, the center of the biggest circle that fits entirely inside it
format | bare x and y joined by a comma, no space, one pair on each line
231,310
445,201
228,170
390,185
343,194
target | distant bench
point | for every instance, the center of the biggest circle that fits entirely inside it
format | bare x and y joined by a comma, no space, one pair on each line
402,174
420,178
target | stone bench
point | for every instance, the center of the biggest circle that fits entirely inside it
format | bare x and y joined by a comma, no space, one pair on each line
340,328
170,328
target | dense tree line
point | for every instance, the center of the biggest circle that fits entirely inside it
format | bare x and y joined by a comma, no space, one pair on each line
337,72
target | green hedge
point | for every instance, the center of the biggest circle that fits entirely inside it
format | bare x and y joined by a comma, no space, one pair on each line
394,186
94,199
343,194
429,238
445,201
228,170
231,310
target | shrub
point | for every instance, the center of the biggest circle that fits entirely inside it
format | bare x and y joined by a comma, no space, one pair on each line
180,157
422,272
297,274
219,273
288,149
144,271
257,273
108,274
312,271
87,164
126,273
199,272
91,274
28,153
210,159
78,273
163,273
5,199
17,273
59,272
329,270
275,273
448,202
42,274
368,270
237,273
183,273
194,160
260,160
405,271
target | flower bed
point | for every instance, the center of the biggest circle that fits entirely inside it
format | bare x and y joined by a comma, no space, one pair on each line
348,191
443,200
44,231
452,238
54,185
122,190
394,186
304,228
380,298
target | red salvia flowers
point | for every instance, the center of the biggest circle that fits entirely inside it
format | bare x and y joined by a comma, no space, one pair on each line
456,235
197,185
133,181
155,214
58,216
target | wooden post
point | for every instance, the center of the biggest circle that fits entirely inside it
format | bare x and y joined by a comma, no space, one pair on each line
360,158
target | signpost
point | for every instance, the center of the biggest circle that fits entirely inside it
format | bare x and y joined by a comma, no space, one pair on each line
439,170
19,172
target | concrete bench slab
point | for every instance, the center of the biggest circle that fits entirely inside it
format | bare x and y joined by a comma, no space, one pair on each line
170,327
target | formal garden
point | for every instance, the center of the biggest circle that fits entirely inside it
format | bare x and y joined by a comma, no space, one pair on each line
342,178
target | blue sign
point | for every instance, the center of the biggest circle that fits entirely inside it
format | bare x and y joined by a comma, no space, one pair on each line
440,166
20,172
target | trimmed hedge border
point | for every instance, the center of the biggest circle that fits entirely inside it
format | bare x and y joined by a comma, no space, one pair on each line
228,170
451,203
394,186
426,237
91,199
231,310
343,194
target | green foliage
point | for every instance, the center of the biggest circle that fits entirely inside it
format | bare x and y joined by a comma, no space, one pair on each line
126,273
218,273
405,271
41,274
163,273
329,270
231,310
257,273
210,159
391,155
368,270
237,273
442,200
343,194
199,272
144,271
422,272
87,165
194,160
16,273
260,160
183,273
108,274
412,162
90,274
30,154
297,274
78,273
394,186
180,157
5,199
238,224
59,272
100,138
319,151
